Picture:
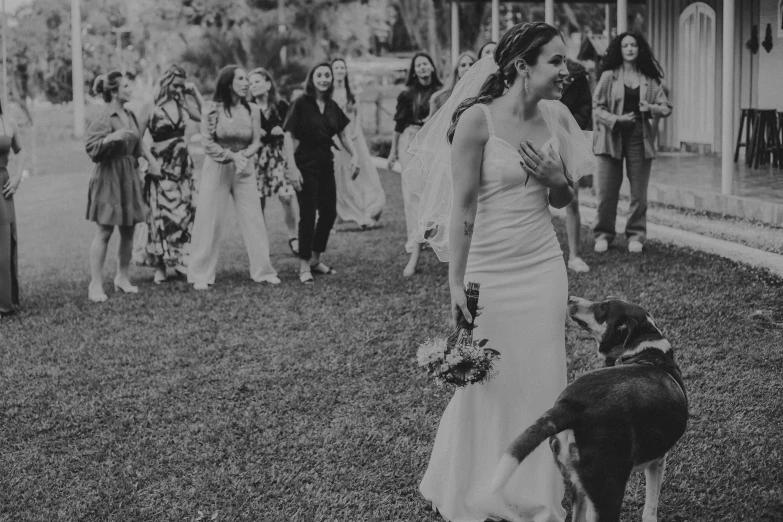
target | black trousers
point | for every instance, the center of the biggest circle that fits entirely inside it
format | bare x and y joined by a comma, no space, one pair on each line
318,195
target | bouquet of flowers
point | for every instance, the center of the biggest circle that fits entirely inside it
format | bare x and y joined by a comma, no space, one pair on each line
458,359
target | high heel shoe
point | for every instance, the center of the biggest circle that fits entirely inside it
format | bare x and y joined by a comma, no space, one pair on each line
160,277
97,296
126,287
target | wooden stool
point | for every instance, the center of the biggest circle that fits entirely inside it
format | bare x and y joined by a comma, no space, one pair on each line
747,118
766,139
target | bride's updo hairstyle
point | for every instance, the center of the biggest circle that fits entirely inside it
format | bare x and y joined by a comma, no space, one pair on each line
108,84
521,41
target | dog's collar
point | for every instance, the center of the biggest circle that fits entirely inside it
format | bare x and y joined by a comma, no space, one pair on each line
633,359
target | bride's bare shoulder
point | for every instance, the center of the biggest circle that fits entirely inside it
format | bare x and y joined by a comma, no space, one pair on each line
472,126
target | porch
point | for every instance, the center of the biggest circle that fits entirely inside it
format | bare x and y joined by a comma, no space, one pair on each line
694,182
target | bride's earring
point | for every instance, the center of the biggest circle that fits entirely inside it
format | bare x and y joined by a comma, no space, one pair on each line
524,84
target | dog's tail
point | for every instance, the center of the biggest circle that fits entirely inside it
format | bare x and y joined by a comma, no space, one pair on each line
551,423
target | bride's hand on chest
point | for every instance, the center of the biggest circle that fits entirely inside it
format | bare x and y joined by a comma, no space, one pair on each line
544,164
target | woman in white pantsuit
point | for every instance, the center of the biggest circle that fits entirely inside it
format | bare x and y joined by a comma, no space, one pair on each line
231,134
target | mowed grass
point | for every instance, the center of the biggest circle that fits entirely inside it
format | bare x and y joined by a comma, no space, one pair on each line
251,402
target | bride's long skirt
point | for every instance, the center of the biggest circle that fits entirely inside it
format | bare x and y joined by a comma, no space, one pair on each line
525,299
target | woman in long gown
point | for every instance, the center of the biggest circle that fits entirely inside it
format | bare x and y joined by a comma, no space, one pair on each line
9,277
413,107
360,196
499,233
172,195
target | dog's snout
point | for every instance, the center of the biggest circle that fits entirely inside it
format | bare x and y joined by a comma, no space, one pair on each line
573,300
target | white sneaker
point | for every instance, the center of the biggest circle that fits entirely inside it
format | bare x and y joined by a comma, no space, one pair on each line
601,245
634,246
577,264
200,286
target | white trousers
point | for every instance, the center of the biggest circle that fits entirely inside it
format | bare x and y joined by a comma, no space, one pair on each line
219,182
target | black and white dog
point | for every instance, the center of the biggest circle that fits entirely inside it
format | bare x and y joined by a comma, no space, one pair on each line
612,421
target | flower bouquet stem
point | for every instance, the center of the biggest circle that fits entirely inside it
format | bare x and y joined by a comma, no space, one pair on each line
458,359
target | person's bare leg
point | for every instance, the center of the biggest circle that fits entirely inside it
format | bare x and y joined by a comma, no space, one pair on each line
97,258
160,272
122,280
573,229
413,261
289,215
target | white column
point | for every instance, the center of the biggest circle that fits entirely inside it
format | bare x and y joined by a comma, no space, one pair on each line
622,16
495,20
77,75
727,114
608,22
5,67
281,28
549,11
454,31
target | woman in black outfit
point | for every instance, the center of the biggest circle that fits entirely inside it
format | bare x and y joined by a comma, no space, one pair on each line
312,122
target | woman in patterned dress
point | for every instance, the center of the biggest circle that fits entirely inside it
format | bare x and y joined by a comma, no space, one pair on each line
172,195
360,196
272,165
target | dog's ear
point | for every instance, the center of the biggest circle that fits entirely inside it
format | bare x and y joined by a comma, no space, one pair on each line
629,328
618,333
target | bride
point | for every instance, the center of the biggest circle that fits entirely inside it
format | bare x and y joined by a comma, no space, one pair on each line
486,177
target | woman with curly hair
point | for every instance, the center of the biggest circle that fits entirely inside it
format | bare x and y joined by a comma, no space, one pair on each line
628,97
172,195
360,196
272,163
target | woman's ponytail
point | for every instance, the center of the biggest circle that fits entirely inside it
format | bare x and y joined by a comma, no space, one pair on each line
494,87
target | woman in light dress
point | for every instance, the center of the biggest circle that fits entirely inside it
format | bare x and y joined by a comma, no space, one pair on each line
360,196
413,108
231,134
511,146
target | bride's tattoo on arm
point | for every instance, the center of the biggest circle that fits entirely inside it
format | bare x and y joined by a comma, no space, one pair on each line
468,229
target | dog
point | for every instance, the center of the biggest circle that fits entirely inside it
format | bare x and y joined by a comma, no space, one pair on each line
612,421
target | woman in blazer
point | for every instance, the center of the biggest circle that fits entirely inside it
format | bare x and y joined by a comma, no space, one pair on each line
628,97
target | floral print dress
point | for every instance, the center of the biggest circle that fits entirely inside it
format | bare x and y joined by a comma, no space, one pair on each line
172,197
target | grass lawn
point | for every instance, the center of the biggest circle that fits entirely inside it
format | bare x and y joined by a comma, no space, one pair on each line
251,402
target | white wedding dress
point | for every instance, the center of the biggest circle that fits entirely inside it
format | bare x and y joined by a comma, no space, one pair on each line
515,255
